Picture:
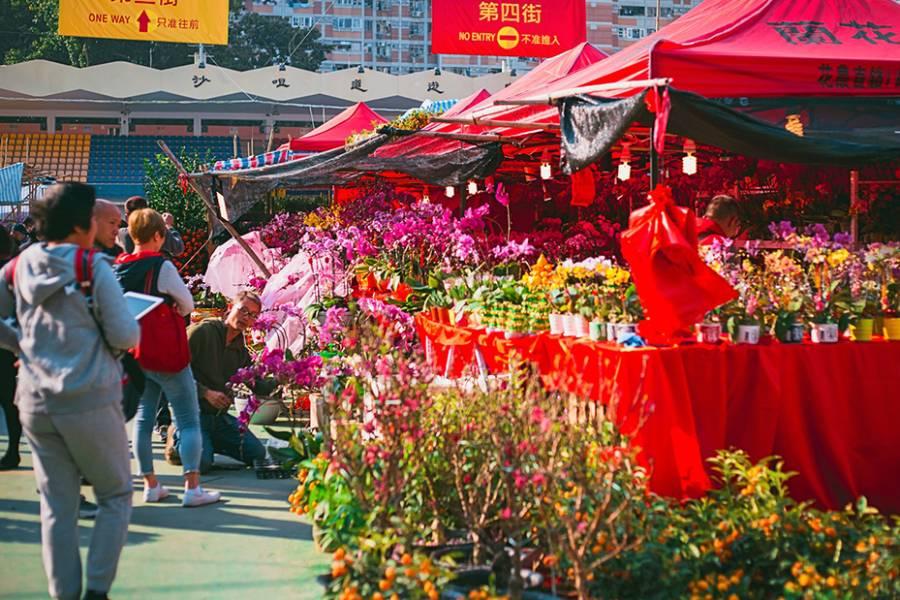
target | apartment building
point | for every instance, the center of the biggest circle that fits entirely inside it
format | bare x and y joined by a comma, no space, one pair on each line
395,35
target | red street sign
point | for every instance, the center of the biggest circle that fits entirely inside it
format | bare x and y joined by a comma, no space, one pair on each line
534,28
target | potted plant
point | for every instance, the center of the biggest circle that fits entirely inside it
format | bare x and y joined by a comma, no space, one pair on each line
743,320
785,284
710,330
892,312
827,270
883,263
275,376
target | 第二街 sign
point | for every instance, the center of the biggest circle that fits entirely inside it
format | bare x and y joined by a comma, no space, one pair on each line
183,21
533,28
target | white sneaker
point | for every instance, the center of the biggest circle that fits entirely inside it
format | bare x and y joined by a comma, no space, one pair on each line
199,497
156,494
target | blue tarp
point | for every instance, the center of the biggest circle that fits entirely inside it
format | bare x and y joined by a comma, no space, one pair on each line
11,184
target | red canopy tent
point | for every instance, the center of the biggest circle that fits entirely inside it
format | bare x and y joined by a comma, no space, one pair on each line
335,132
481,107
760,48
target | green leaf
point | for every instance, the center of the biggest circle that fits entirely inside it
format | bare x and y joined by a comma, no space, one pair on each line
278,435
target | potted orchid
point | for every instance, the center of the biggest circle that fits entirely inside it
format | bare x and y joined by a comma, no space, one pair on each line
883,262
785,285
275,376
826,272
745,321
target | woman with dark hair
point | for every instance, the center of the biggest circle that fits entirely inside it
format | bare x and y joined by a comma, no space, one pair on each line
11,459
73,321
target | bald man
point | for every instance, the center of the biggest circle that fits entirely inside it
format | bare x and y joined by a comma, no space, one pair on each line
108,220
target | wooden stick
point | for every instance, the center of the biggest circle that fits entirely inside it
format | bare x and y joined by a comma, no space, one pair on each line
210,207
475,139
495,123
585,90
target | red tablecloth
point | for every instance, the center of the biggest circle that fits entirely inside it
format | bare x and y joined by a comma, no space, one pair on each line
831,411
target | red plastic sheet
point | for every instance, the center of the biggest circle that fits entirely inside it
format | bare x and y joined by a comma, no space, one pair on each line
675,286
830,411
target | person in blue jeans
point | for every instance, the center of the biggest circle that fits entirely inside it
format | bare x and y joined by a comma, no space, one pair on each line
217,352
146,266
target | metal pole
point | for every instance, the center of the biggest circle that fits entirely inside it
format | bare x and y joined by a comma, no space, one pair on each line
654,159
854,206
657,14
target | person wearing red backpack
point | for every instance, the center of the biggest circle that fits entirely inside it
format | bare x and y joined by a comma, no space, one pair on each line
165,356
71,327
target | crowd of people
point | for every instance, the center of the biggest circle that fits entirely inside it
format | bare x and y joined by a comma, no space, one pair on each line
67,335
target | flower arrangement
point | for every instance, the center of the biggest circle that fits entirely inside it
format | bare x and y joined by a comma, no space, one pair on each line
275,372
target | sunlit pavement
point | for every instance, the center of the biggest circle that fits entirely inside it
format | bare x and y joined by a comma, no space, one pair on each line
249,546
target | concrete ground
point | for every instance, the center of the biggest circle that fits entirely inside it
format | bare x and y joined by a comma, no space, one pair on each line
249,546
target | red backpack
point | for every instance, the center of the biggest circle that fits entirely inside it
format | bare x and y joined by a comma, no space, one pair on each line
164,345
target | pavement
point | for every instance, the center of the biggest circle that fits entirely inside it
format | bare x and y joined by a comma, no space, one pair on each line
249,546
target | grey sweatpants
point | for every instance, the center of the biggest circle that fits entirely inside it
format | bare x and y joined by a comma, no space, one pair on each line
93,444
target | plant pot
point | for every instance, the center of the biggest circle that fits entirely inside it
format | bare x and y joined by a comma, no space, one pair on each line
597,331
625,329
570,325
892,328
556,324
861,330
747,334
267,413
790,333
611,332
582,327
709,333
824,333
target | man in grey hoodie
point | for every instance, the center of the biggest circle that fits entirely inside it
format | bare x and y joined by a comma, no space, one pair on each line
69,392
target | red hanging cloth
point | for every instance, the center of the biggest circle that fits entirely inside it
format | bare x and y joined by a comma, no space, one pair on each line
675,286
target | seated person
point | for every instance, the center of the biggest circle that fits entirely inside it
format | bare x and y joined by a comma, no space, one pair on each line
217,352
722,220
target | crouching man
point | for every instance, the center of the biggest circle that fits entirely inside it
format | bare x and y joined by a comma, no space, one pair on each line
217,352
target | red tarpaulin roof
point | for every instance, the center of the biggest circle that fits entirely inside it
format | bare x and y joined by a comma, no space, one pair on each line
760,48
482,107
335,132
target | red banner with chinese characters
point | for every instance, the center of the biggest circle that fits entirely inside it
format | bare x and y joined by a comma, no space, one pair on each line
532,28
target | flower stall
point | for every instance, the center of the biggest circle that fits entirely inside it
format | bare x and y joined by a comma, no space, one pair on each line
528,383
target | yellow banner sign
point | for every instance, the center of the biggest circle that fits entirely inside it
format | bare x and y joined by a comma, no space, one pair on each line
183,21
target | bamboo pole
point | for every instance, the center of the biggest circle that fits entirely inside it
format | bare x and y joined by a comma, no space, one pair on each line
585,90
475,139
497,123
211,208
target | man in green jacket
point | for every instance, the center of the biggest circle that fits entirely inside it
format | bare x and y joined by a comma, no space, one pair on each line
217,352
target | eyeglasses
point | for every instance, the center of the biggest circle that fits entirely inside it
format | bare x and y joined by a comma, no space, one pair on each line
247,314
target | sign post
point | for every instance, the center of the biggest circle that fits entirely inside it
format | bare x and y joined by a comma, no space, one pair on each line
180,21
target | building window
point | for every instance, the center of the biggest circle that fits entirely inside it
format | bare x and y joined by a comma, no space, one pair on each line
347,24
635,33
631,11
299,21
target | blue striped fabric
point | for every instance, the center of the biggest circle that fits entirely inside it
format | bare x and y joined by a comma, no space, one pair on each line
11,184
438,106
434,107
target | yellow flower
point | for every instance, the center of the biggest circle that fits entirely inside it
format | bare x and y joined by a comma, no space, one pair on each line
838,257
